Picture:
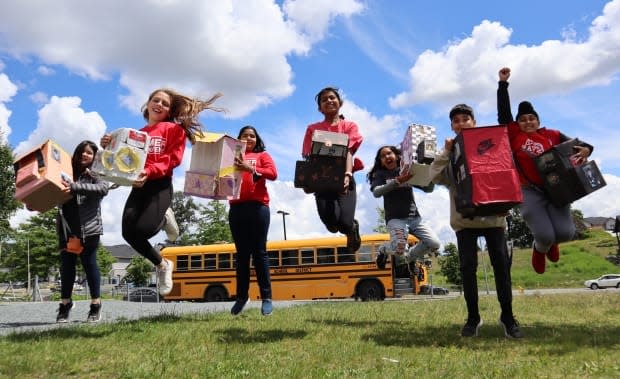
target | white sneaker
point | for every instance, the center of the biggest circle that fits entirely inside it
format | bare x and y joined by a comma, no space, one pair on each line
170,226
164,276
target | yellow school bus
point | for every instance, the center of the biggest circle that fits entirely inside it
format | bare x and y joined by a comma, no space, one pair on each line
304,269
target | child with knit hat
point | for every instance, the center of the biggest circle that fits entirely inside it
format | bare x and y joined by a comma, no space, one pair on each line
549,224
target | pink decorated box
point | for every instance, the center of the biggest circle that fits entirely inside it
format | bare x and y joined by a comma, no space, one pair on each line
212,173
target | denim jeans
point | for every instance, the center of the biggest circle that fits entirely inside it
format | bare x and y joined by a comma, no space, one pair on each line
88,258
249,224
400,228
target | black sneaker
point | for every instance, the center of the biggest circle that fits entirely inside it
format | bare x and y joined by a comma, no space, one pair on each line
238,306
471,327
354,241
511,328
63,312
94,315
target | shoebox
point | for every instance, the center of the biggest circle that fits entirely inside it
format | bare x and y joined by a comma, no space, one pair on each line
329,144
39,174
123,159
487,181
321,174
212,173
564,179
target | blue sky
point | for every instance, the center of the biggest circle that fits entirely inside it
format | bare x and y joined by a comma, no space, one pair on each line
73,70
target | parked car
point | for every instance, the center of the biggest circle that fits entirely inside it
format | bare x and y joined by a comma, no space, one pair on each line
605,281
143,294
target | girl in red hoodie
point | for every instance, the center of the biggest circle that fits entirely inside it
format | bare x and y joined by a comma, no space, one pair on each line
171,117
249,219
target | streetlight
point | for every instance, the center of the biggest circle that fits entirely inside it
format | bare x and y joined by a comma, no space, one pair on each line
284,214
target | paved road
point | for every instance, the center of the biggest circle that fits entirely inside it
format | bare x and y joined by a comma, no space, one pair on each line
38,316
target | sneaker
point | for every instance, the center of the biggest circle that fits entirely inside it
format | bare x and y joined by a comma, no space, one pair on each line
382,258
554,253
94,315
164,276
354,240
266,308
238,306
170,226
63,312
511,328
471,327
538,261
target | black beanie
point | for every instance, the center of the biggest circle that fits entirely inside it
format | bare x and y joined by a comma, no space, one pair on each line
526,108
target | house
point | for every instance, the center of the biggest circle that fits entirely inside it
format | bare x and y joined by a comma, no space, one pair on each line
123,254
603,223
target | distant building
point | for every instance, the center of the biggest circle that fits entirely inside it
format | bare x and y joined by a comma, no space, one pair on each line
603,223
123,255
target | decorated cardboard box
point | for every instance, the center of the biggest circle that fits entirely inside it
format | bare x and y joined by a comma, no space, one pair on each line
320,174
564,179
123,158
419,145
39,174
212,173
329,144
487,181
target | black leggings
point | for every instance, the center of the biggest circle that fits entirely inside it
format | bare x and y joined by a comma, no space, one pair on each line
337,210
143,216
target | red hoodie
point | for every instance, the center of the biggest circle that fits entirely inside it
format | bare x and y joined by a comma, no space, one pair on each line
165,149
257,190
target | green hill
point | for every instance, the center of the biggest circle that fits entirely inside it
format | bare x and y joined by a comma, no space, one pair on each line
579,261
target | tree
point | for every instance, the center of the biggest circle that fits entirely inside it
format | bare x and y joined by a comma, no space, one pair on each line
139,271
104,260
186,214
449,263
381,227
35,241
213,224
518,231
8,204
581,230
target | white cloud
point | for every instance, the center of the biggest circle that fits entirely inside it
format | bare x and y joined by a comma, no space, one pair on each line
46,71
7,91
469,66
312,17
238,47
63,121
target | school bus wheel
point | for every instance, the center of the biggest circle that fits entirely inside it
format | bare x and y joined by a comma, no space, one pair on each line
216,293
369,289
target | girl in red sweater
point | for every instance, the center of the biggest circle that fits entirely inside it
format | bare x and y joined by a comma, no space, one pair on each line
249,219
171,117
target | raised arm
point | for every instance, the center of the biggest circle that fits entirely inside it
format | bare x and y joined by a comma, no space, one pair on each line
504,114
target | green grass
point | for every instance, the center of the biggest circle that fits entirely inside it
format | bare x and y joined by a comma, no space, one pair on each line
566,336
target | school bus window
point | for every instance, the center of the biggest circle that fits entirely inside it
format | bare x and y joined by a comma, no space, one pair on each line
195,262
182,262
364,253
344,256
325,255
307,256
224,262
290,257
274,258
210,261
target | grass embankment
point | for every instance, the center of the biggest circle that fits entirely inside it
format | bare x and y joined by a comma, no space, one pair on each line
579,261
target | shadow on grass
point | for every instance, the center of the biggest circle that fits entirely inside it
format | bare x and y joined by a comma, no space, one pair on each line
239,335
557,339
